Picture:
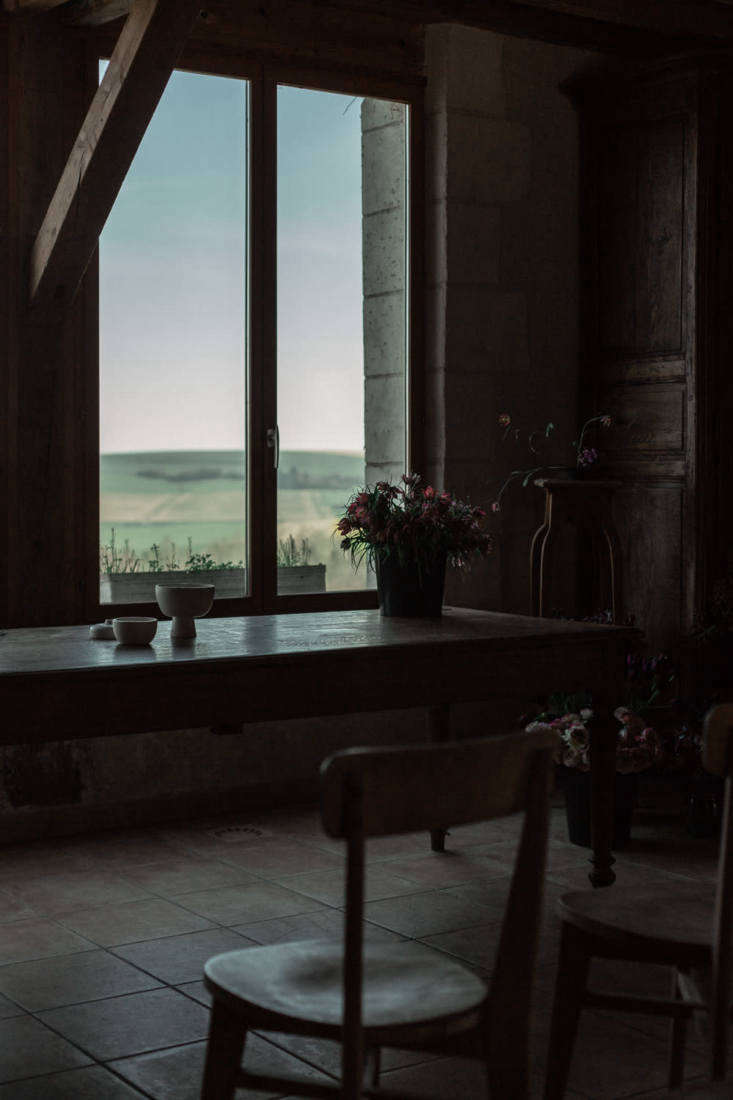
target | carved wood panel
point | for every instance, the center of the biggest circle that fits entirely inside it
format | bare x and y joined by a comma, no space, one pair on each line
641,236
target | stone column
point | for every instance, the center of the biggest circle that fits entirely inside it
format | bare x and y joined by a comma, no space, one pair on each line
384,193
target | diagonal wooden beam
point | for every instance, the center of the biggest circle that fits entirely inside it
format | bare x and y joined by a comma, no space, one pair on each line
143,59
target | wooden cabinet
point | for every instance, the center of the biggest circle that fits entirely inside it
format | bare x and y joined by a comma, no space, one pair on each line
657,317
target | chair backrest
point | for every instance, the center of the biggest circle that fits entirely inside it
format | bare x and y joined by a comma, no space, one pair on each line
376,792
411,787
718,759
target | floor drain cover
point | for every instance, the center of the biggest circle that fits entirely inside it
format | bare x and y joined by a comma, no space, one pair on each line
235,832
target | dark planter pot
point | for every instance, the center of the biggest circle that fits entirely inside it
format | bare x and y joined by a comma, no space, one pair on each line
577,805
406,590
705,805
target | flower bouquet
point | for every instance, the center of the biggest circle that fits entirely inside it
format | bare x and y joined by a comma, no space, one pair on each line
407,533
637,749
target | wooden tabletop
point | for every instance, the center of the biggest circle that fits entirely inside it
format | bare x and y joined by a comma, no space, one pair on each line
57,683
69,649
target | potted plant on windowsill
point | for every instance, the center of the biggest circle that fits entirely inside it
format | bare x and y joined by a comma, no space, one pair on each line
295,573
408,533
126,578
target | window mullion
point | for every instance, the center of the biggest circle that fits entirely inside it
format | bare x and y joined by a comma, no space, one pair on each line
263,401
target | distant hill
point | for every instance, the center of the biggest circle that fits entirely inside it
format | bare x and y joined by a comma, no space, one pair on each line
155,471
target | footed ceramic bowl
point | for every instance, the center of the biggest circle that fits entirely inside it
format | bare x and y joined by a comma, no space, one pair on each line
184,603
134,629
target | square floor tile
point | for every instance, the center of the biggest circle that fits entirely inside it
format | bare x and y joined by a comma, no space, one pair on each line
182,874
110,925
12,907
176,959
329,886
122,849
70,979
19,861
54,894
38,939
177,1074
130,1025
273,857
325,924
243,904
424,914
8,1009
28,1048
477,946
196,990
90,1083
452,868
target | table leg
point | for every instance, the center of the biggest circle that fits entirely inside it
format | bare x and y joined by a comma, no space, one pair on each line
603,773
438,730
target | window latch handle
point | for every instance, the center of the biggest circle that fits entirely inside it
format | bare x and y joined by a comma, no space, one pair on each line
273,440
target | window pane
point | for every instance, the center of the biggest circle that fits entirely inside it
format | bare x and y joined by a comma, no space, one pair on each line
173,350
341,315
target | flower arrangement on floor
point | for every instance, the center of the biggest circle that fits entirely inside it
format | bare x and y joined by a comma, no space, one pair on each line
407,533
637,745
413,522
584,456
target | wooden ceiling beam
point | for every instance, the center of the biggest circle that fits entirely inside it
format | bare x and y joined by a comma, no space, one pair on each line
21,6
706,19
142,61
94,13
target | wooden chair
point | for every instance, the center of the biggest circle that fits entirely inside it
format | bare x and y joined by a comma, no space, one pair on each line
400,994
688,926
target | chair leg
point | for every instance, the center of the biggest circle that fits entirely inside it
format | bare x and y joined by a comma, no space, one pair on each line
677,1039
569,989
223,1054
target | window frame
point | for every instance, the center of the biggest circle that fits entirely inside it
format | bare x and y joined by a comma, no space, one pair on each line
261,321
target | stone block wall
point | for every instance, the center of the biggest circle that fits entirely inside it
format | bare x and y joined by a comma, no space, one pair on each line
502,278
384,196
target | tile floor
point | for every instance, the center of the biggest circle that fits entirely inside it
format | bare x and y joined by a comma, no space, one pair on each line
103,939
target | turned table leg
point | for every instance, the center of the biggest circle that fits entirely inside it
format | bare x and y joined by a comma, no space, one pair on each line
603,773
438,730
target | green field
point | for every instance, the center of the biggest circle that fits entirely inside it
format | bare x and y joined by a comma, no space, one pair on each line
167,498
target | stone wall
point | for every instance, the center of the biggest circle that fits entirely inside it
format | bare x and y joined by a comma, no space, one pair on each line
502,277
384,196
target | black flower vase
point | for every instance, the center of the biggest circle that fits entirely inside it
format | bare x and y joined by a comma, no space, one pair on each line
410,589
578,807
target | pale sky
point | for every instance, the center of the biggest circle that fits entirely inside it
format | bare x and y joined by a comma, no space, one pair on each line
172,260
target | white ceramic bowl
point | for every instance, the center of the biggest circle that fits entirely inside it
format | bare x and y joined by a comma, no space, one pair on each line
134,629
184,603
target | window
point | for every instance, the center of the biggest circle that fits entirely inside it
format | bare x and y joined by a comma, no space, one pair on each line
253,340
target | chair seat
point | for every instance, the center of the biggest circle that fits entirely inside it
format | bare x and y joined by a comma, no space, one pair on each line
672,916
405,984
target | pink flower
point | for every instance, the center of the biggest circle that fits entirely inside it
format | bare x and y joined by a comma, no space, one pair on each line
495,506
429,492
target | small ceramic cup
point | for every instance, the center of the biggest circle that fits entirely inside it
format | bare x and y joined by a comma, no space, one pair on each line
134,629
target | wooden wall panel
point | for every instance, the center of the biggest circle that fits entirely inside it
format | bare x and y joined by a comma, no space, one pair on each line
649,418
649,522
641,177
640,244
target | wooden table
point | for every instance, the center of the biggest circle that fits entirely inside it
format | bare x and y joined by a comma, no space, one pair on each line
56,683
